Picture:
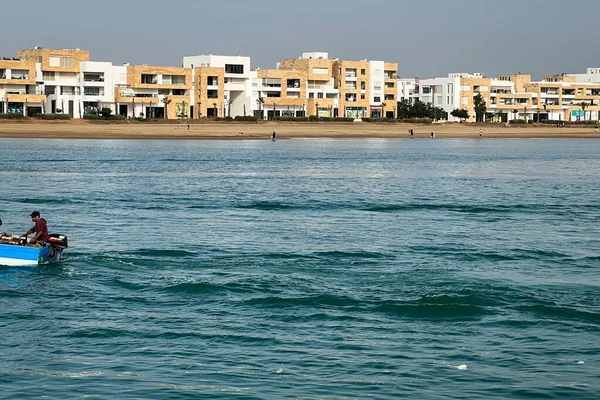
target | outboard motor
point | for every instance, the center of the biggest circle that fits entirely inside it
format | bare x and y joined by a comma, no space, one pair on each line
57,243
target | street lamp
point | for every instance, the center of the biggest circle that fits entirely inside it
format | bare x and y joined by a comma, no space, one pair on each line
317,109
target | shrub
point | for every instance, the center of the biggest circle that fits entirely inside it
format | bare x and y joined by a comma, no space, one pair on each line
12,116
248,118
314,118
418,121
389,120
517,122
292,119
571,123
102,118
51,117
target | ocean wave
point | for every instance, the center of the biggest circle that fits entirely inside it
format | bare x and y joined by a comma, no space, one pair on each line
561,313
48,201
351,254
473,209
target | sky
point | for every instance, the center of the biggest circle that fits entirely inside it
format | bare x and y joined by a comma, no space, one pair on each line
427,38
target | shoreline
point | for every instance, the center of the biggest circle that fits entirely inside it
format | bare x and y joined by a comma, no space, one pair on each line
261,131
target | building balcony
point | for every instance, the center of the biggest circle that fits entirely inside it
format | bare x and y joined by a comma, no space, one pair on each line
25,97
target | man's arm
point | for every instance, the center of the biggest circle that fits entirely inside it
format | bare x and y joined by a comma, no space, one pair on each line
35,238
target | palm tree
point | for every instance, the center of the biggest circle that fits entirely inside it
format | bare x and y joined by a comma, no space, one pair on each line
583,106
166,101
260,102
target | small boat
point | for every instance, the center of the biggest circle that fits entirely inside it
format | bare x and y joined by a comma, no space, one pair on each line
15,252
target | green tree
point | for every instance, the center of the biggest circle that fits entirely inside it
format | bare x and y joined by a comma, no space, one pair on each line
480,107
461,114
404,109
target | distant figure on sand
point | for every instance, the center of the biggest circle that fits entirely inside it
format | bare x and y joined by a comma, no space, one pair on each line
480,132
432,134
273,134
412,132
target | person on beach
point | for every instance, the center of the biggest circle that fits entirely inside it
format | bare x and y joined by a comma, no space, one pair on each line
412,132
480,132
432,134
40,228
273,134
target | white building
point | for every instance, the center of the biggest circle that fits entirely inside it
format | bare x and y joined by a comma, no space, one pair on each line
407,89
237,78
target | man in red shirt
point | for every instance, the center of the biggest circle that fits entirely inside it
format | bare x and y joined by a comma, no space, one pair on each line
40,228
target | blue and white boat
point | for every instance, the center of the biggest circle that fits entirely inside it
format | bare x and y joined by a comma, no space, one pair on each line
15,253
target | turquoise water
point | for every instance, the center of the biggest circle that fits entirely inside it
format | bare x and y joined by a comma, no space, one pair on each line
305,269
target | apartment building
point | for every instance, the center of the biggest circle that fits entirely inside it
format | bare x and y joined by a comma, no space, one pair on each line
283,93
407,89
209,89
353,80
98,81
155,92
383,92
59,74
322,95
20,91
562,97
236,79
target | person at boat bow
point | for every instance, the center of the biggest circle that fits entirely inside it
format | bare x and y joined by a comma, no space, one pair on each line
40,228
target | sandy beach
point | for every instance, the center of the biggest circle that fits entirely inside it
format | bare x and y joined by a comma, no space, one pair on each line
78,129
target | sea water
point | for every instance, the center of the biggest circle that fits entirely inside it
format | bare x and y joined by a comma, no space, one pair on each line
401,268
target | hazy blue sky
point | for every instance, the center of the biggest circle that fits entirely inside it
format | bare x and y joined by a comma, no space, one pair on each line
426,37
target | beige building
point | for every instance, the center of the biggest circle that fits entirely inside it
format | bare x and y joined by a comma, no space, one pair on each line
209,89
282,93
19,91
156,92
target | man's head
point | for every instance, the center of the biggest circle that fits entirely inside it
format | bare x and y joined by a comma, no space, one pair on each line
35,215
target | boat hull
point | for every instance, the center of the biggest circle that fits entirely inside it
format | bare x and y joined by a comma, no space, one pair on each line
19,256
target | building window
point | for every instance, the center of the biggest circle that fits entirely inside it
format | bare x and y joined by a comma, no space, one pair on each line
377,99
149,79
362,96
54,61
363,72
234,68
465,100
173,79
66,62
212,81
319,95
321,71
93,91
212,94
48,75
